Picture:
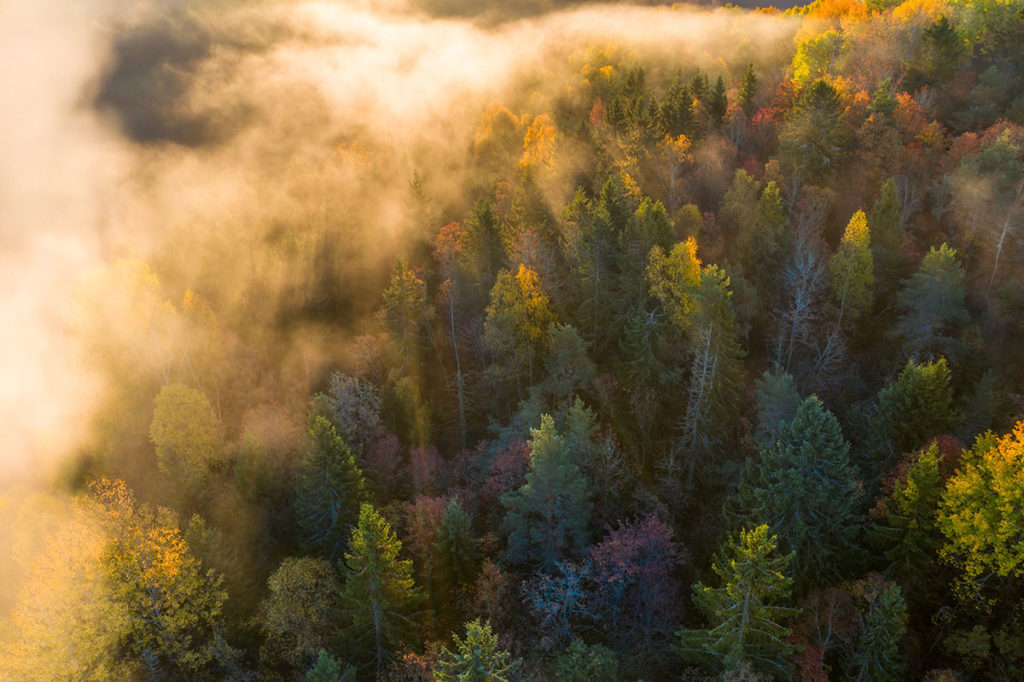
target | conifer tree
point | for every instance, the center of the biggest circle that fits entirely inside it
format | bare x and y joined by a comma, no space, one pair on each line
917,406
746,611
876,656
477,657
378,593
933,306
748,90
548,516
804,486
329,489
718,103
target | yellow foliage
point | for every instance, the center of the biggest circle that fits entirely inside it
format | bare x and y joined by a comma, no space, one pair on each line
539,144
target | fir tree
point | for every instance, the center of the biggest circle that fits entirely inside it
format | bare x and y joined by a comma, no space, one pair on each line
748,90
477,657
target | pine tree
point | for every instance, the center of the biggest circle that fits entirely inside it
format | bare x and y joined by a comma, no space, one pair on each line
804,487
548,516
329,490
813,140
477,657
777,403
745,611
456,555
379,591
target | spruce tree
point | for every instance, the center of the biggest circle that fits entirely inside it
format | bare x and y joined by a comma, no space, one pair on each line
477,657
804,487
329,490
876,657
378,593
548,516
747,610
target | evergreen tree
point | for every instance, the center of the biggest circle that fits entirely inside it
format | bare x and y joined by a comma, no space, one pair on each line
777,403
567,364
718,103
456,555
676,110
477,657
548,516
329,489
748,90
378,592
813,139
917,406
886,221
932,304
746,611
876,657
804,486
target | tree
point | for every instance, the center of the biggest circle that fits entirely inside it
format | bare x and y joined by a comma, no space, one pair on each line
567,364
745,611
917,406
886,221
635,590
518,318
718,103
876,655
329,489
982,509
804,486
456,551
941,49
716,374
748,91
547,517
404,310
852,270
932,304
813,140
172,608
579,662
186,433
777,403
298,615
328,669
477,657
378,591
560,601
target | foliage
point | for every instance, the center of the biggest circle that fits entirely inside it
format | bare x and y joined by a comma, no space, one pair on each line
745,611
378,590
477,657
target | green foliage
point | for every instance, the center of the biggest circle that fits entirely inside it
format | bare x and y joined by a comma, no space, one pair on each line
745,611
933,306
326,669
876,655
805,487
917,406
813,141
907,534
748,91
816,58
518,318
329,489
186,433
378,592
718,103
568,365
852,269
580,662
941,50
547,518
477,657
299,613
777,403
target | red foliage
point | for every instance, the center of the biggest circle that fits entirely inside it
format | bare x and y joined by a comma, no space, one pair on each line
508,470
597,113
636,588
